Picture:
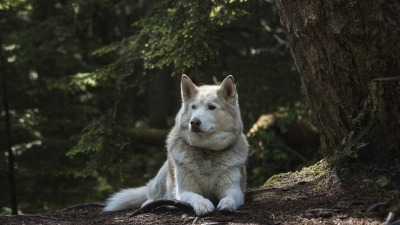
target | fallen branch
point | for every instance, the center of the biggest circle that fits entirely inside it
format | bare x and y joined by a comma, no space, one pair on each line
163,202
146,135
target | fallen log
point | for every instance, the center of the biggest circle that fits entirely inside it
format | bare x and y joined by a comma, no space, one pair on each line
153,136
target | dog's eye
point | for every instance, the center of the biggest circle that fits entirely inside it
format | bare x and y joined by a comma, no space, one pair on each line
193,106
211,107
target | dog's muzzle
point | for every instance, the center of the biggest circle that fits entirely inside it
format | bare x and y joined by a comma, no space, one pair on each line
195,125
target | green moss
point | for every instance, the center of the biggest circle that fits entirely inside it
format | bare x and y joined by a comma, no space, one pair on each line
276,179
307,174
366,120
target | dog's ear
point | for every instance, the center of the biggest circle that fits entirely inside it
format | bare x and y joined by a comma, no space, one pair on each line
228,88
188,88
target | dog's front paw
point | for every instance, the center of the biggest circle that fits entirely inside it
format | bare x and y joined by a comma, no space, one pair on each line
227,204
203,207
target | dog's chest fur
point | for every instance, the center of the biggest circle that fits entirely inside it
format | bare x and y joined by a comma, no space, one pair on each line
202,162
206,172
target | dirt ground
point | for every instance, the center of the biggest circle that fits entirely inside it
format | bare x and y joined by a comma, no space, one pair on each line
315,195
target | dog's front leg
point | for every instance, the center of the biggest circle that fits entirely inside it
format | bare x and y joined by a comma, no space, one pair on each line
201,205
232,199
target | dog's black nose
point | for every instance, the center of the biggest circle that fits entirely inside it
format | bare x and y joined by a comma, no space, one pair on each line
195,125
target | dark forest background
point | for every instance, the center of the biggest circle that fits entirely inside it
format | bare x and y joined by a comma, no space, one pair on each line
89,90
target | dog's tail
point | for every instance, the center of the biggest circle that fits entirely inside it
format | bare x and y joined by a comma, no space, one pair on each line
127,199
136,197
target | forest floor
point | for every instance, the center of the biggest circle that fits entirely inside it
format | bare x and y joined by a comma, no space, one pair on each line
314,195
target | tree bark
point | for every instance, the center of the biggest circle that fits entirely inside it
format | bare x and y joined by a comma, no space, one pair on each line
347,53
10,153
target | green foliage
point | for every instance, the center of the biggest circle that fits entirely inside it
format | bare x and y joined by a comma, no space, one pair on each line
169,37
52,97
10,4
379,183
269,151
383,181
80,72
182,34
299,111
96,140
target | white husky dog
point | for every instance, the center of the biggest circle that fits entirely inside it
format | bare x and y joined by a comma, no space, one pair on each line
207,151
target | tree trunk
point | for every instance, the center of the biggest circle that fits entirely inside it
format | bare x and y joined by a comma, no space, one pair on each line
8,132
160,91
348,56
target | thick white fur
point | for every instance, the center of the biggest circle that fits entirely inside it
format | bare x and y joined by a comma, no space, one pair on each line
220,141
125,200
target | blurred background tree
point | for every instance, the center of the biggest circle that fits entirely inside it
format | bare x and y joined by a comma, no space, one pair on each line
93,86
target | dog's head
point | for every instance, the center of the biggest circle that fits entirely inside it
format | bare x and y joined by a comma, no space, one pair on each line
210,113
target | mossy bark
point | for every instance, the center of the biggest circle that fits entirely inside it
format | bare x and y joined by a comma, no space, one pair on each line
348,56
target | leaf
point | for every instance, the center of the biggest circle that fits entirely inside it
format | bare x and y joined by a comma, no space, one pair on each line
383,181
